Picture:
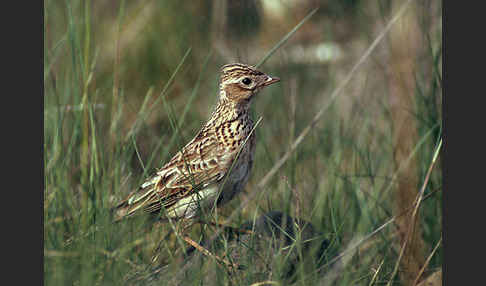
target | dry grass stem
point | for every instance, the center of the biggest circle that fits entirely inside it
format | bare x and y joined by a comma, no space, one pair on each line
229,265
427,261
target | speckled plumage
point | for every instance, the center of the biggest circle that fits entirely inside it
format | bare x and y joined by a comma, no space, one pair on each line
216,164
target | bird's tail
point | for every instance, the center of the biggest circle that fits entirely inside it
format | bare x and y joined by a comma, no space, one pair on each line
121,210
132,204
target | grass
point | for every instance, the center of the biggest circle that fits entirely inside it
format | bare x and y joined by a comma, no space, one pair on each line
127,84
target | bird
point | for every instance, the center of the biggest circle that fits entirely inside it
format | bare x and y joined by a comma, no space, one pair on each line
215,165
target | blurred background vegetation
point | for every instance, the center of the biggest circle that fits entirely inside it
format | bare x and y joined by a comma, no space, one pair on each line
127,83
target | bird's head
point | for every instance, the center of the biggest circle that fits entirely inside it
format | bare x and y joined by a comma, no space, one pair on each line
239,83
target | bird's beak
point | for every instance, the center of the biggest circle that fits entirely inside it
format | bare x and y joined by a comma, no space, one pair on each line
271,80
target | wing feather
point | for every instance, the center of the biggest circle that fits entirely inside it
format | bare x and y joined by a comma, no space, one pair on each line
192,169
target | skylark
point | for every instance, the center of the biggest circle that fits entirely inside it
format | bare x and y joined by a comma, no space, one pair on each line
214,166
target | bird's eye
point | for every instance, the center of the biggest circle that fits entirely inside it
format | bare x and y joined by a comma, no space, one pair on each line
246,81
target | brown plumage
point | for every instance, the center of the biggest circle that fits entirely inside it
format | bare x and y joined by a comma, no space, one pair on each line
205,173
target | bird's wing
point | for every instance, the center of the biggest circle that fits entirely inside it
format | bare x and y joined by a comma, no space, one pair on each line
198,165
